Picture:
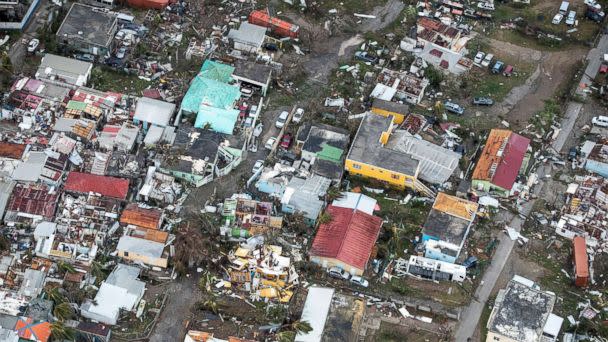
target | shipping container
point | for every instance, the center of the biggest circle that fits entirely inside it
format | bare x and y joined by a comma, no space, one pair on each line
276,26
581,262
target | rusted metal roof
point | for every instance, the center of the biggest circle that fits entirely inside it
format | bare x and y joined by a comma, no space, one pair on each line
455,206
581,261
142,217
12,150
348,237
501,158
34,199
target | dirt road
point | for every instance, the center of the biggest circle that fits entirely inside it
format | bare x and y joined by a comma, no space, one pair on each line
552,71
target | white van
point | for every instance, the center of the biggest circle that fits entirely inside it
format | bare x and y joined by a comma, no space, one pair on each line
563,8
600,121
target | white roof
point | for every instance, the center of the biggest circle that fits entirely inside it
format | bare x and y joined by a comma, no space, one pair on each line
45,228
383,92
30,169
316,309
357,201
154,111
140,246
553,325
248,33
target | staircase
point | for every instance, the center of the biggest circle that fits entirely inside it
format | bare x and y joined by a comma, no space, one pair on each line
420,187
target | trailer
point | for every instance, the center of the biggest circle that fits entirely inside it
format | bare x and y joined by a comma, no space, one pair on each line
276,25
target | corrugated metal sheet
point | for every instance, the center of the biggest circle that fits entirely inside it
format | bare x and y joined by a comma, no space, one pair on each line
581,261
143,217
349,237
106,186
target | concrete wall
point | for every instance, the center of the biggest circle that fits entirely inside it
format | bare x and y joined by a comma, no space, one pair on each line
493,337
160,262
331,262
395,179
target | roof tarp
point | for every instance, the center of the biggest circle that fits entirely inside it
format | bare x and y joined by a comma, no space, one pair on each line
217,71
330,153
220,120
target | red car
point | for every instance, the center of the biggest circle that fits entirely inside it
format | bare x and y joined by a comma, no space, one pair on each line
603,68
286,140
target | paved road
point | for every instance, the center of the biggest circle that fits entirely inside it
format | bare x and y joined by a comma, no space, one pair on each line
572,112
594,57
472,313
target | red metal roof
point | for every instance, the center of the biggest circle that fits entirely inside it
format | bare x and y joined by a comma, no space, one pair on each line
106,186
349,237
513,157
34,199
34,331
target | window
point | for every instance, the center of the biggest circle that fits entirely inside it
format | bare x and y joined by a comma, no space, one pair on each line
496,338
395,176
356,166
126,254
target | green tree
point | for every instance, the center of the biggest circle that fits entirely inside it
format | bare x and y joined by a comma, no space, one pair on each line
55,295
66,267
325,217
61,332
286,336
63,311
300,326
333,193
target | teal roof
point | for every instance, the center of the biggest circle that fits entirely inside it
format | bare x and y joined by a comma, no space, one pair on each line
220,120
209,92
217,71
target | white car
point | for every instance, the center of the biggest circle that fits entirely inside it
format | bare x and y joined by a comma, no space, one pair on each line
33,45
479,57
121,53
259,165
359,281
600,121
593,4
269,143
253,111
557,19
485,6
281,119
571,18
487,60
298,115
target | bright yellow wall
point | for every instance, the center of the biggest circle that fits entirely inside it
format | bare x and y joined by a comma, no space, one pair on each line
399,180
397,118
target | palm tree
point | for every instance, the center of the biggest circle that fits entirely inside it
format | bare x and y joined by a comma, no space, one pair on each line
63,311
325,217
65,267
286,336
55,296
333,193
97,270
60,332
300,326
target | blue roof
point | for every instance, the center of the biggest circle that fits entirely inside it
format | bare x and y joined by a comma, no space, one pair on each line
217,71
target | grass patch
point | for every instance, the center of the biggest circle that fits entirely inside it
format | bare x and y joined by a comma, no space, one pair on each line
485,316
106,79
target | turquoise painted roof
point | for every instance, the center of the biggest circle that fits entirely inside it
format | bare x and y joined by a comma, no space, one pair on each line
220,120
217,71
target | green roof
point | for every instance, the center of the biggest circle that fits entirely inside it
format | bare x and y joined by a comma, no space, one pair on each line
217,71
78,105
330,153
211,93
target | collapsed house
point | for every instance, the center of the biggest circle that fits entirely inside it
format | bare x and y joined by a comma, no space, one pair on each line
244,218
262,272
400,86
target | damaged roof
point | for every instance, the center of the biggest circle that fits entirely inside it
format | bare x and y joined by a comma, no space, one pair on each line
154,111
84,23
501,158
348,237
34,199
106,186
520,312
143,217
368,149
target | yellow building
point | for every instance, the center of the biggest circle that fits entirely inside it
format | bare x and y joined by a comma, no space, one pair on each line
387,108
369,156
